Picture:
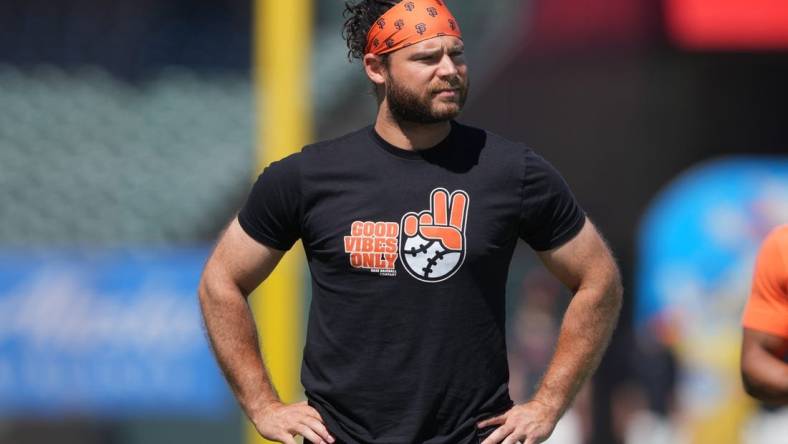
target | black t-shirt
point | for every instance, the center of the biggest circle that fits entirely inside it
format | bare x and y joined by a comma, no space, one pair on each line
409,253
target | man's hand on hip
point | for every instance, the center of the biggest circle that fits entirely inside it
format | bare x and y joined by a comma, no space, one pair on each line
282,422
529,423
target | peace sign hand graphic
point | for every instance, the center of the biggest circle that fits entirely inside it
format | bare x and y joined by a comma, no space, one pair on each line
444,222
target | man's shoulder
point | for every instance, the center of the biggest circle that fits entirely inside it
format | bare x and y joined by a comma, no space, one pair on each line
323,152
777,240
780,234
345,142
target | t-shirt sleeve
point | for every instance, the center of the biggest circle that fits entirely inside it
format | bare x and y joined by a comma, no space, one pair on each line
550,215
767,307
272,212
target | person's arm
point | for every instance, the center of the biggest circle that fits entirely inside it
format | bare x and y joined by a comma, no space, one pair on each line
765,323
237,266
586,266
764,374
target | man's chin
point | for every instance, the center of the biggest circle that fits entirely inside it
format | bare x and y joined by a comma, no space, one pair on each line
447,111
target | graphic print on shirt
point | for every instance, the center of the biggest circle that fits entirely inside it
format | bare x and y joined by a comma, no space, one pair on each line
373,246
431,243
432,246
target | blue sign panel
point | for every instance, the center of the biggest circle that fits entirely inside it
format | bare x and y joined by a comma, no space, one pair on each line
700,236
105,333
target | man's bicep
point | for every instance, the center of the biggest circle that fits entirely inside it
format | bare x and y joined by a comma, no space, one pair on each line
241,259
767,306
582,260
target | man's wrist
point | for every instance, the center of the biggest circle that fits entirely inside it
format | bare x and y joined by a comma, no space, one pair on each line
554,408
261,407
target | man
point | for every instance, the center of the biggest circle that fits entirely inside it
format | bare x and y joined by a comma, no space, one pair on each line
409,226
765,337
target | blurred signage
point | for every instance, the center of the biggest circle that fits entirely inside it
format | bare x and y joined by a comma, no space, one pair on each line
567,24
105,333
728,24
696,249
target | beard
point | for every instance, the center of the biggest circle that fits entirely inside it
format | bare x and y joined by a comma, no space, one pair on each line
407,105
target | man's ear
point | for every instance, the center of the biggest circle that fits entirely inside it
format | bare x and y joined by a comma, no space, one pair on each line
375,69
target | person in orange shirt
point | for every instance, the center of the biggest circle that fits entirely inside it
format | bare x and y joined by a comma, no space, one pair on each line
765,321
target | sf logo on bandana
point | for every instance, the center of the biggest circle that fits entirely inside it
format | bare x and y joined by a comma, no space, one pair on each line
430,244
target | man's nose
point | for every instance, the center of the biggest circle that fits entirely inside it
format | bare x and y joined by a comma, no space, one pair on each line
447,68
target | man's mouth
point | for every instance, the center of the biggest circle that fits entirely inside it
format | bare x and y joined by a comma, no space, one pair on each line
447,92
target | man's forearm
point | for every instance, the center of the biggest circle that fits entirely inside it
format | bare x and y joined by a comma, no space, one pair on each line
233,337
588,324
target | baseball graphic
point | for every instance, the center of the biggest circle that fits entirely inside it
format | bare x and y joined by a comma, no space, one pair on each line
432,244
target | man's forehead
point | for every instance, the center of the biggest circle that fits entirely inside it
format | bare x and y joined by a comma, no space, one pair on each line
434,44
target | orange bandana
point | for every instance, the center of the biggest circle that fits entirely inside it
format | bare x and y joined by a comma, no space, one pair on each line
409,22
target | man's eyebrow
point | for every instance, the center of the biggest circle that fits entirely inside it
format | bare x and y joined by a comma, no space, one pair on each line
430,52
427,52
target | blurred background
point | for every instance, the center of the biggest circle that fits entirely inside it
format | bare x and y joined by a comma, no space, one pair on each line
130,132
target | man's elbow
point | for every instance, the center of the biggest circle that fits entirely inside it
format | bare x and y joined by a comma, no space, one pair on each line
753,386
203,292
215,287
205,295
750,387
614,294
618,291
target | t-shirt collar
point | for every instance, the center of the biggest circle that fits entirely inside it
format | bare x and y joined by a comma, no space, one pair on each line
413,154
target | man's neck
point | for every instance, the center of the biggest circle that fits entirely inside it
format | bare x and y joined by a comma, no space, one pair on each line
408,135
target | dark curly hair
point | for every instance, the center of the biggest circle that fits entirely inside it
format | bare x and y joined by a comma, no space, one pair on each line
359,18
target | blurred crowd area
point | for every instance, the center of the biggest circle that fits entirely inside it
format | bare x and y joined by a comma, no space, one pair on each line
127,135
123,122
